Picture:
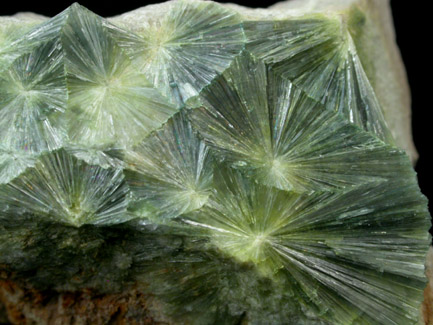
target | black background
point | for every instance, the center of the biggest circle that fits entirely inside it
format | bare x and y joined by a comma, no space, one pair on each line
413,37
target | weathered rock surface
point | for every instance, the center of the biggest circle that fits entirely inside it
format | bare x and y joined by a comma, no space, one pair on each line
197,163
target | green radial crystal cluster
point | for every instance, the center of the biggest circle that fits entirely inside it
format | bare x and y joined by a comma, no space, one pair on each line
239,171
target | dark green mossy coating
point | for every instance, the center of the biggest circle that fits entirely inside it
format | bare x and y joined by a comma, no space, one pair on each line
236,171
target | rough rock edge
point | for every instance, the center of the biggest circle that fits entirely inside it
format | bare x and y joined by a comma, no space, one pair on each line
427,306
25,305
30,306
20,18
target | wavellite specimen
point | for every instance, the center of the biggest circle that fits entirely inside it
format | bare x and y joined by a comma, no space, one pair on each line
233,166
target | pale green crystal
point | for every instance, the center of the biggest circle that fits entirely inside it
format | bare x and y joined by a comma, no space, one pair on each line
32,88
318,55
184,49
311,237
13,163
237,167
11,29
170,172
68,190
113,101
282,137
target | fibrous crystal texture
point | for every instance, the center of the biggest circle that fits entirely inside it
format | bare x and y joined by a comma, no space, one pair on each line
236,169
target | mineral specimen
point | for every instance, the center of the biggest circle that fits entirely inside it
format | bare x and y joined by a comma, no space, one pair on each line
224,165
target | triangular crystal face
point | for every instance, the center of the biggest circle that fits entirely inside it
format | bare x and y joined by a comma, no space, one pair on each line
10,31
229,167
108,101
318,55
32,90
61,188
262,124
183,50
13,163
171,171
31,36
310,238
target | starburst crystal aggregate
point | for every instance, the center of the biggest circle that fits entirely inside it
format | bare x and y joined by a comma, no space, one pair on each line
236,169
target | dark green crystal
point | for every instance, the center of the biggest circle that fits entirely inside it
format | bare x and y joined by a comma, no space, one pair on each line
238,170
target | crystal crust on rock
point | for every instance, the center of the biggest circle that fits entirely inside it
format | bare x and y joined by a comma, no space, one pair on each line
238,168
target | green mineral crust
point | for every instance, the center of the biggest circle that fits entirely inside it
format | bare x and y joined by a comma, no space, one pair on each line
238,168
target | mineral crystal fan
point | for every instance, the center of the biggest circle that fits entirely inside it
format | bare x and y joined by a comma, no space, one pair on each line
234,166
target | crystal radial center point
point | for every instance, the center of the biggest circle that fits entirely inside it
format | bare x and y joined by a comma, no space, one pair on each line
232,166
